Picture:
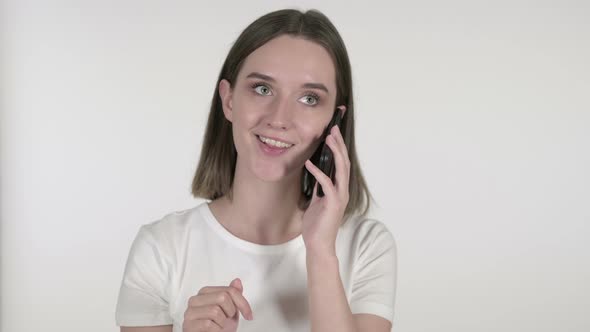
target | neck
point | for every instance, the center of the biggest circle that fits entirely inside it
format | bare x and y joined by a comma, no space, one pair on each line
260,211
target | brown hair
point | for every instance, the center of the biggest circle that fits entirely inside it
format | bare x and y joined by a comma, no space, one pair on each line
215,172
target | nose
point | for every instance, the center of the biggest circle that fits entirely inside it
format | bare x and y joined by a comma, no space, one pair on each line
280,116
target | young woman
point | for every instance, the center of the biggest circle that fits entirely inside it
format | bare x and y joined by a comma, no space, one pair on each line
266,247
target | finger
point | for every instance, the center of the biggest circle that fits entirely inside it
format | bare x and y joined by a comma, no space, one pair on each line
314,193
241,302
321,177
346,161
200,325
236,297
237,283
219,298
342,166
212,313
340,139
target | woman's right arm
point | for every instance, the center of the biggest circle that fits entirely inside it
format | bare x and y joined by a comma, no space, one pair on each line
162,328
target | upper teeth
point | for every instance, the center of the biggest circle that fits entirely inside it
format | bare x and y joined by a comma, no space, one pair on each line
274,143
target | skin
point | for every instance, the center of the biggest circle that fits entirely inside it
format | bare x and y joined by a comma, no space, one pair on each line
281,107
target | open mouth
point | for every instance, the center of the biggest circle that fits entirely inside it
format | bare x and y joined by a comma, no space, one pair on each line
273,143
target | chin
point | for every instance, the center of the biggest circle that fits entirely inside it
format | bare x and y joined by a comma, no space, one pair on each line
271,171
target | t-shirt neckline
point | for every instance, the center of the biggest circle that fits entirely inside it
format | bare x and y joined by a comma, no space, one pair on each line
252,247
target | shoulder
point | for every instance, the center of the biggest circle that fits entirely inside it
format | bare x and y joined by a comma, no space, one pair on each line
169,231
365,227
367,232
171,222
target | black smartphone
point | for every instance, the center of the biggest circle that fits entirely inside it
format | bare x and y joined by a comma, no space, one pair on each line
323,157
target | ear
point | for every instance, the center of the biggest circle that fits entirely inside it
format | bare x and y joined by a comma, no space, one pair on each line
343,108
225,93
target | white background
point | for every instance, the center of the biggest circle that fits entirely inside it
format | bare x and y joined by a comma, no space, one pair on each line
473,130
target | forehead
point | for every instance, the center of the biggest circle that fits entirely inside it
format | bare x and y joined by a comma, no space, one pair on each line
292,60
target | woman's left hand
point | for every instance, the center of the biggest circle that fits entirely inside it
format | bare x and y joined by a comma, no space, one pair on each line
323,217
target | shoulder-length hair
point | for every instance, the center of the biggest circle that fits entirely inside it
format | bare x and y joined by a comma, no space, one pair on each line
215,171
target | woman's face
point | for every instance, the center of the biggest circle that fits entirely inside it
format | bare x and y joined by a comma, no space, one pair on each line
285,90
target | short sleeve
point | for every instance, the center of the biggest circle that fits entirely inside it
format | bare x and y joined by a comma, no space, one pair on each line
375,272
144,297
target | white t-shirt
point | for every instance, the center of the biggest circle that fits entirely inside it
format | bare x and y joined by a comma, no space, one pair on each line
171,259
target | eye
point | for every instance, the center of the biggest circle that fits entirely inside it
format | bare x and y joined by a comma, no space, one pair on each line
261,89
311,99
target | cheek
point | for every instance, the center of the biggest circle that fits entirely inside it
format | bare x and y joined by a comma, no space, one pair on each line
311,128
244,111
311,135
249,109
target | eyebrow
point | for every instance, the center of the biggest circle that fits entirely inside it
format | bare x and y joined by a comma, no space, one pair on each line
318,86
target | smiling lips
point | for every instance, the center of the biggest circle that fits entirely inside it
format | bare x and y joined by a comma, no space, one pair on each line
274,143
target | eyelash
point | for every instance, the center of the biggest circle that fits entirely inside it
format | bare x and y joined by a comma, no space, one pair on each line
309,94
315,96
257,84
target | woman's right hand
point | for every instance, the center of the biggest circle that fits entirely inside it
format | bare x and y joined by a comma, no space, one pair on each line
217,308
